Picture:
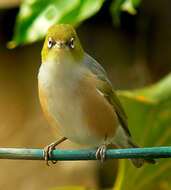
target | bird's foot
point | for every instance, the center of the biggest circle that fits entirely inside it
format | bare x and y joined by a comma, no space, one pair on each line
49,149
48,153
101,153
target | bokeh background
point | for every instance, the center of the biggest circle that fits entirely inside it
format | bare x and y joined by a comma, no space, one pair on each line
135,54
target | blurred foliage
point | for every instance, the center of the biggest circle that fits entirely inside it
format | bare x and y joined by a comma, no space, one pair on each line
123,5
148,111
36,16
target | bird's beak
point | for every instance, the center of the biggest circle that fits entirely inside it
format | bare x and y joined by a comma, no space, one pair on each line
60,44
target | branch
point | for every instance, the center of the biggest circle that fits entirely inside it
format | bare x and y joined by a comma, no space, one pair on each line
37,154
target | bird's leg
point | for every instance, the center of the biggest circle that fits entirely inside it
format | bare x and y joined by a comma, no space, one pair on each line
101,152
49,148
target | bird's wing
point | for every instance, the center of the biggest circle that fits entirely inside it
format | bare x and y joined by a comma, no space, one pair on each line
107,90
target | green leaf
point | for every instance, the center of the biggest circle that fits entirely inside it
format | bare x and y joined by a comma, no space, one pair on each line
83,11
36,16
123,5
149,118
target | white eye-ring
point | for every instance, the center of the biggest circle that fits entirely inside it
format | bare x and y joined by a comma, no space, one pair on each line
51,43
71,43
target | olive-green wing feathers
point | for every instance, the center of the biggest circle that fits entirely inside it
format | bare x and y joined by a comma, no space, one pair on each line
107,90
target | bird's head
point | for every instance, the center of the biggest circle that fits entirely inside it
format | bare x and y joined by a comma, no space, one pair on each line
62,42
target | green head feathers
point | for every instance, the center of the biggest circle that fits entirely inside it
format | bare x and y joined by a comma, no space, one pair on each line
61,39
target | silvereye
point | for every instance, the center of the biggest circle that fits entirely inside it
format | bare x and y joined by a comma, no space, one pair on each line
78,98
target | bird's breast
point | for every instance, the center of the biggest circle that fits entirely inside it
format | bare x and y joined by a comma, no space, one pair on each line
70,100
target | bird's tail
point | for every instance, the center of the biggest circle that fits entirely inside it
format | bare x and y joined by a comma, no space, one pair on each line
122,140
138,162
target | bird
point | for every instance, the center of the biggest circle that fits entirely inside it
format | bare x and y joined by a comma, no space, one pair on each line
78,98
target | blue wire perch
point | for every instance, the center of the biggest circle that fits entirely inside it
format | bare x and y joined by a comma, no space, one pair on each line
37,154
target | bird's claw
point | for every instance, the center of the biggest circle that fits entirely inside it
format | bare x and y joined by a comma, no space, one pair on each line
48,153
101,153
48,150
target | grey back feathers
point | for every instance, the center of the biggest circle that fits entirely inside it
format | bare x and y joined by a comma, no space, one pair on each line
96,68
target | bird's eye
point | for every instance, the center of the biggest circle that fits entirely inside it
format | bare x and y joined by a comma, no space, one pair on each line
71,43
51,43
